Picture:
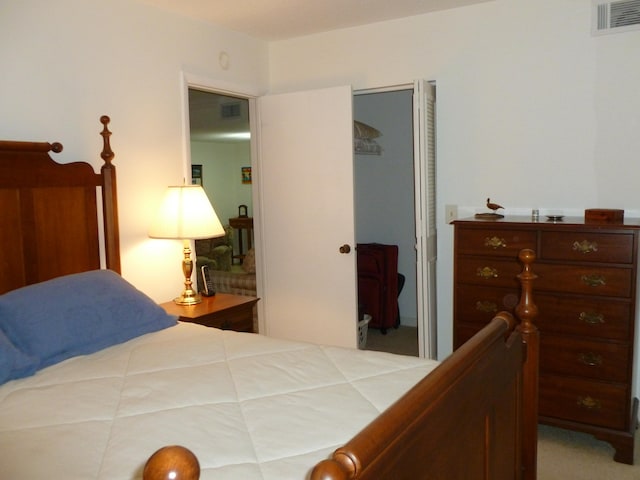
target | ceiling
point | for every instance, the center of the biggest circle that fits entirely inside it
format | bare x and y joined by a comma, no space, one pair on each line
282,19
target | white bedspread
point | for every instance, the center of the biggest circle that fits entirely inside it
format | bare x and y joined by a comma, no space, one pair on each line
250,407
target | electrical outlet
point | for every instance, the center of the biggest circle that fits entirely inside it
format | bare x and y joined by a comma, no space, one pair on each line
450,213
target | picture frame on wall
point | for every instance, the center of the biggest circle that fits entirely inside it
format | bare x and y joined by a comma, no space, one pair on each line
196,175
246,175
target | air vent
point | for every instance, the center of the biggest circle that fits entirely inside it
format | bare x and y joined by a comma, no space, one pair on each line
232,110
615,17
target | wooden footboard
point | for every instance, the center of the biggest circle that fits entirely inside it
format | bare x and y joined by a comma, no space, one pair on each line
473,417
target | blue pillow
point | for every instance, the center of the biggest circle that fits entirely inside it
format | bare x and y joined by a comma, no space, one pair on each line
14,363
77,314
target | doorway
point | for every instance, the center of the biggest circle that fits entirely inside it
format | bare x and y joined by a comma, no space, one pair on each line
220,146
385,203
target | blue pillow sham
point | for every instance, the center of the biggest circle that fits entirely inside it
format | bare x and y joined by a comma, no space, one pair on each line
77,314
14,363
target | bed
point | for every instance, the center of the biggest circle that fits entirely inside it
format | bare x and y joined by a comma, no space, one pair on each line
96,377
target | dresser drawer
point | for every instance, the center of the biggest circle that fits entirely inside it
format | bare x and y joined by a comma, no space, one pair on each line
584,358
475,304
586,401
584,316
488,271
586,247
586,280
494,242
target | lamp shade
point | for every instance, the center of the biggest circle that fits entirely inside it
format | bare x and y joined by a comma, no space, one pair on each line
186,213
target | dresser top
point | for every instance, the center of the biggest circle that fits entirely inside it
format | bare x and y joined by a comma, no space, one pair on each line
566,222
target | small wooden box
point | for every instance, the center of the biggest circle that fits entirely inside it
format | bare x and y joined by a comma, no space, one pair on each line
603,215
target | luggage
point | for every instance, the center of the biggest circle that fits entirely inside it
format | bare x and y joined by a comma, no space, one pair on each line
378,283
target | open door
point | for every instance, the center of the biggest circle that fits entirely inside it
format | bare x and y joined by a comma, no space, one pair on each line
306,187
426,235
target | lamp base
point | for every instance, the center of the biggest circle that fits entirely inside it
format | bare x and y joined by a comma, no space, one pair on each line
188,296
188,299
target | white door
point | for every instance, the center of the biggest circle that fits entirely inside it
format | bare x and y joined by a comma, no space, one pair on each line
425,194
305,180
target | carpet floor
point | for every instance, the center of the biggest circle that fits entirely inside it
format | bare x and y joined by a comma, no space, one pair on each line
564,455
402,340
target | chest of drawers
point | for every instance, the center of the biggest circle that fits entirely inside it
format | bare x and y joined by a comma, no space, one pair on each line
586,298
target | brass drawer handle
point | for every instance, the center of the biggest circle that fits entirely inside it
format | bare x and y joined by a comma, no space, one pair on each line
585,246
590,359
486,306
592,318
487,272
589,403
495,242
593,280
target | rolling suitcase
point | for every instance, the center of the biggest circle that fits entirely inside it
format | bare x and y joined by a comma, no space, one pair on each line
378,284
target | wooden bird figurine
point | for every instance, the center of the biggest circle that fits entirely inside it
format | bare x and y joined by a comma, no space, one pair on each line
493,206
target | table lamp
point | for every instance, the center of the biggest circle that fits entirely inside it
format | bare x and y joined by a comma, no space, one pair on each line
186,213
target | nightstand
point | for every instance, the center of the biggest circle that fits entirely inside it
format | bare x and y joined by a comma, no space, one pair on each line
225,311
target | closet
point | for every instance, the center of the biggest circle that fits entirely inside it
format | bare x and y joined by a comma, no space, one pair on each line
384,185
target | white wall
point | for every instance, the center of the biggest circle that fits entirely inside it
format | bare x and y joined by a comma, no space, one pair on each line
65,63
532,110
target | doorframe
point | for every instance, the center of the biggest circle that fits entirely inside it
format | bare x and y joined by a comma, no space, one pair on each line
190,80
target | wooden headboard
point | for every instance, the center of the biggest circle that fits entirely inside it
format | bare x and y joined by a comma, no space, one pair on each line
50,224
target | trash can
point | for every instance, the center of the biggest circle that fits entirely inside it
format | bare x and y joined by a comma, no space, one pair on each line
363,328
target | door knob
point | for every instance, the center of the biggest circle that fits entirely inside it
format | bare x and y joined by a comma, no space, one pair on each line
345,248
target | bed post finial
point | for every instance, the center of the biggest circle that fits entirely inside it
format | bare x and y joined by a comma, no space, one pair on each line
110,201
526,310
107,154
171,462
